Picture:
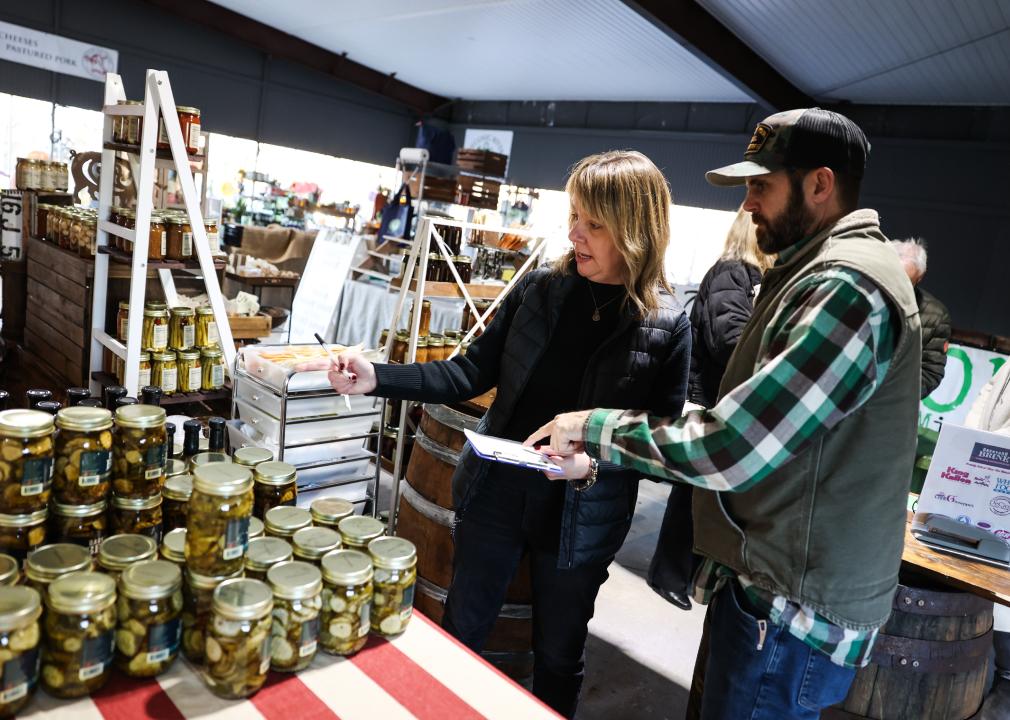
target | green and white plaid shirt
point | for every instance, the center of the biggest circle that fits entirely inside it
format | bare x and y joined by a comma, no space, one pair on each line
824,353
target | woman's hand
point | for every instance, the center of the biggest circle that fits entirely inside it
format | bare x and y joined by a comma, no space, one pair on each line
565,433
351,374
573,467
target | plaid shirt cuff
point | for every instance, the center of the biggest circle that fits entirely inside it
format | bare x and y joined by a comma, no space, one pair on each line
598,432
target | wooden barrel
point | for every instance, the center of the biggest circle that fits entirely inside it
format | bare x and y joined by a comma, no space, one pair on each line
425,518
930,660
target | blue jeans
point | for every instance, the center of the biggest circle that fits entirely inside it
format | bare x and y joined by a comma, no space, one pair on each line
785,679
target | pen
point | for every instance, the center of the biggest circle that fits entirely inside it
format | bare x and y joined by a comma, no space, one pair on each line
333,359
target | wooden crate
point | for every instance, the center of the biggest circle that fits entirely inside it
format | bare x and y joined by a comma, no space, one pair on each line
478,192
435,188
250,328
13,275
484,162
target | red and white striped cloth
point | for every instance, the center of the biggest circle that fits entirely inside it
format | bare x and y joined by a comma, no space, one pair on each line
424,673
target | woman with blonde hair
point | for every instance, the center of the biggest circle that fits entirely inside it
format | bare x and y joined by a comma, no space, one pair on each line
723,306
598,329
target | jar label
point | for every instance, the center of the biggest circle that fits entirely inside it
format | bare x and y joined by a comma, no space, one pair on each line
236,538
365,613
407,606
309,638
19,675
214,239
160,337
36,475
265,655
212,334
217,376
189,335
163,641
96,654
169,380
164,248
144,377
121,328
154,460
193,142
195,375
94,543
95,467
187,244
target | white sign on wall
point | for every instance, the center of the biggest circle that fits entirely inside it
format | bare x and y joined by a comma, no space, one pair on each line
967,371
52,52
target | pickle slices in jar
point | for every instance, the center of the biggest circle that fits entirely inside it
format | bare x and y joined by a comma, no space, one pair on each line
395,561
295,631
139,452
346,601
149,610
26,460
237,654
83,464
20,608
197,595
217,528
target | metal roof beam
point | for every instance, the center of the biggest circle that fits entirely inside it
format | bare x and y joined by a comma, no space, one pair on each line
693,27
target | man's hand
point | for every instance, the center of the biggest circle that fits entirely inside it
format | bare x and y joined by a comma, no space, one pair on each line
564,432
573,467
351,374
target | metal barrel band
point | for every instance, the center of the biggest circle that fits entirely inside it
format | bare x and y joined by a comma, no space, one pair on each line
439,452
451,418
931,602
508,610
435,513
931,656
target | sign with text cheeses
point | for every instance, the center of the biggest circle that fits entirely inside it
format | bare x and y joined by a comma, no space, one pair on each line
39,49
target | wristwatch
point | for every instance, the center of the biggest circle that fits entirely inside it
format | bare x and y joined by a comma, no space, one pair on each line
589,480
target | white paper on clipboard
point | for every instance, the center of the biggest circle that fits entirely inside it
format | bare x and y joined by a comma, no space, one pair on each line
508,451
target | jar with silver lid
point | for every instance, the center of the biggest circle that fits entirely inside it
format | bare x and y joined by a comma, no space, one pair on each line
285,521
347,601
83,525
10,571
175,501
136,516
251,456
206,458
256,528
139,451
357,531
218,523
149,612
173,547
197,595
20,608
395,562
80,634
50,562
26,460
311,543
295,630
237,655
263,554
83,465
330,511
276,484
120,551
175,467
20,534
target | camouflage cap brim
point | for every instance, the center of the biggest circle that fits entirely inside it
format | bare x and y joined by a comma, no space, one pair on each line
737,173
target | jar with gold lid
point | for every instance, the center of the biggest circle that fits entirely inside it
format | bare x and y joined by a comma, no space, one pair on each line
76,229
197,596
165,372
144,369
251,456
49,562
182,328
399,352
156,239
139,451
206,327
79,634
133,125
328,512
356,531
149,618
175,501
436,347
66,223
88,246
217,528
275,485
180,238
296,587
395,562
212,360
264,553
173,547
189,122
347,601
20,534
206,458
190,371
129,221
20,608
155,330
10,570
421,350
237,655
83,525
256,528
312,543
174,467
122,320
136,516
83,466
120,551
284,521
26,460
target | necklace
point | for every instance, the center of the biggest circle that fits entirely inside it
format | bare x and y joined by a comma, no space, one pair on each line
596,312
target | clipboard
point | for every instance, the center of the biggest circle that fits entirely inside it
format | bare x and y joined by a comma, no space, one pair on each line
509,452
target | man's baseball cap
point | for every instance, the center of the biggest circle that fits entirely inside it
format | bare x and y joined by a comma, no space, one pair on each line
804,138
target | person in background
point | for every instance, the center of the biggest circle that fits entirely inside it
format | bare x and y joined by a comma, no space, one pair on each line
598,327
933,314
803,466
722,307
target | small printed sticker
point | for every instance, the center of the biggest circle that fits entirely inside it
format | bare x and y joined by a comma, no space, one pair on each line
19,676
94,467
236,538
36,475
265,656
310,633
366,617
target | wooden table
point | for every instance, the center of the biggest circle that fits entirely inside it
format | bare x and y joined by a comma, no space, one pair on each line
422,674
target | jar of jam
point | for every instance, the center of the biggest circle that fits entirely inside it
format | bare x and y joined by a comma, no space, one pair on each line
120,551
118,132
50,562
133,125
284,521
182,329
155,333
206,328
175,501
180,238
395,562
164,372
212,362
139,451
275,484
173,547
436,347
263,554
250,456
189,122
451,345
296,587
464,268
136,516
156,239
20,534
237,655
129,218
83,467
421,350
328,512
399,353
149,609
312,543
122,320
20,608
357,531
26,460
197,595
82,525
217,528
347,601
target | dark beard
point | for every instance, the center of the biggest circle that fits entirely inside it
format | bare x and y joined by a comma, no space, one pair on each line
774,236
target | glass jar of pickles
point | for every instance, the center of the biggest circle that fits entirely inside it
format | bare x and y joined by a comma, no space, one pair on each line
180,238
144,369
263,554
82,525
139,451
50,562
20,534
312,543
347,601
217,529
154,336
20,608
88,246
256,528
284,521
250,456
395,562
79,634
356,531
174,466
213,369
175,501
328,512
10,571
275,485
190,372
149,611
182,328
237,655
197,596
206,458
295,631
164,372
120,551
206,328
83,464
136,516
173,547
26,460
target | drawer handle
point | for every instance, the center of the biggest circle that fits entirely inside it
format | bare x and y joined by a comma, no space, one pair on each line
256,397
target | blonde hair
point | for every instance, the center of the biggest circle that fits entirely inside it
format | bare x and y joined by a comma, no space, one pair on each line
741,243
627,193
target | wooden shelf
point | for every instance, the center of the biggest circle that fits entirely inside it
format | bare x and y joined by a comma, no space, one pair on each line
160,154
175,399
451,289
127,259
264,280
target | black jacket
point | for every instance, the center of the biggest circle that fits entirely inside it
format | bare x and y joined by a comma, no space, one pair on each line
721,308
643,365
935,321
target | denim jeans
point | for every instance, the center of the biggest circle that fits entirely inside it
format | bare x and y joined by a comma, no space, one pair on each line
783,679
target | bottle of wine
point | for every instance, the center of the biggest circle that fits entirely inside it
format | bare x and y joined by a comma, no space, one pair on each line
217,434
190,439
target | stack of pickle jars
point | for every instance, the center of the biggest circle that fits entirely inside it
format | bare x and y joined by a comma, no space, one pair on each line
138,471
